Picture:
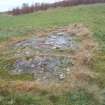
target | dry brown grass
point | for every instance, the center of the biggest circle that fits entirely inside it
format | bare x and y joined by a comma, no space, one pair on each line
80,74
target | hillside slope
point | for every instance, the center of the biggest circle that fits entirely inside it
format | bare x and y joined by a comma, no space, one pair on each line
91,15
86,83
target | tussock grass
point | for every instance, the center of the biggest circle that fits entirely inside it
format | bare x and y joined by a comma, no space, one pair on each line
13,27
78,97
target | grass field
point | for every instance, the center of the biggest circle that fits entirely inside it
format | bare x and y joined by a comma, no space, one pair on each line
92,16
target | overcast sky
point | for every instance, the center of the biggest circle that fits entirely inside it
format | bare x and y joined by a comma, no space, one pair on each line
9,4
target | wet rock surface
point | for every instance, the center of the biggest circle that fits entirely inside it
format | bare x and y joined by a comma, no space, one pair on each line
60,40
43,67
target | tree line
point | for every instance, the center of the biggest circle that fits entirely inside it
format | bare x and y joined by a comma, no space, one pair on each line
44,6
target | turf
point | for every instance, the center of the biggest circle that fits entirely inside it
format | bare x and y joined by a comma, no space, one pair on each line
92,16
79,97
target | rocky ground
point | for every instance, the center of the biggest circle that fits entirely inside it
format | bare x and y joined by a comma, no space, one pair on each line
58,59
46,65
58,62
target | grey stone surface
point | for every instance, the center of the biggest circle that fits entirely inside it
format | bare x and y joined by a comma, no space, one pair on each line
60,40
55,40
43,67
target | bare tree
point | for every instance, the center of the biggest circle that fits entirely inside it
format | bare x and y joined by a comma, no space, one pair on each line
44,6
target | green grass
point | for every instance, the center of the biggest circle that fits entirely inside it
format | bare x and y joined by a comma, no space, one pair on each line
91,15
78,97
98,66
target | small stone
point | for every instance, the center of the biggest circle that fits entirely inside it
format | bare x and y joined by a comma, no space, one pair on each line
27,53
61,76
54,47
18,54
68,70
44,77
38,80
32,65
19,70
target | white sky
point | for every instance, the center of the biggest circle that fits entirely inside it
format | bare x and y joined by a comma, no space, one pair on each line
9,4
